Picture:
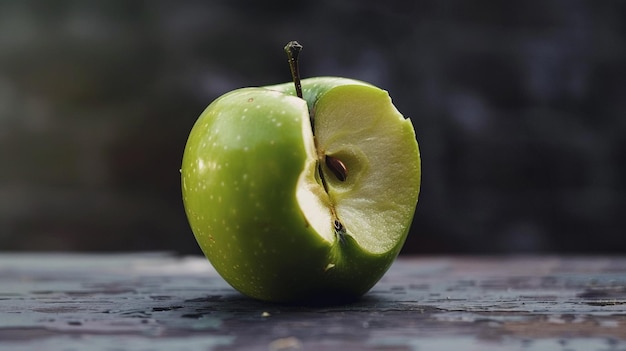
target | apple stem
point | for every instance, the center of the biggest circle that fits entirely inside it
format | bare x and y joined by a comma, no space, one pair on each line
293,49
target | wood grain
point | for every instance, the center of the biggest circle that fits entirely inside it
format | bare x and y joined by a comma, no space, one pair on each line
162,302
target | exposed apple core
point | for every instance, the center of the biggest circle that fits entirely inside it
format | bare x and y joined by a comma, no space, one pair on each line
359,126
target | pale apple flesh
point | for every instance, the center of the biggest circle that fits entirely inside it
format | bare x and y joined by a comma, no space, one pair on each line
269,228
359,125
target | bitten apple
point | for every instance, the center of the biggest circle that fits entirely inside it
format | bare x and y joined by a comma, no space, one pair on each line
302,199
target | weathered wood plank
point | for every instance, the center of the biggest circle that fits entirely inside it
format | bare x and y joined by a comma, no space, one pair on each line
157,301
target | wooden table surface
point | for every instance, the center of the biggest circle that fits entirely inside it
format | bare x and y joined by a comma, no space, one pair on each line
162,302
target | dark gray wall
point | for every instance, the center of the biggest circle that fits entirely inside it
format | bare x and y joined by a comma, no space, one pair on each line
518,106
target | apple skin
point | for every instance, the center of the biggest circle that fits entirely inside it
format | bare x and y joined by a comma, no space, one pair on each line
240,170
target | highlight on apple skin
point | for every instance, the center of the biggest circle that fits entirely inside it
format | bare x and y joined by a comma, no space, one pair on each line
301,192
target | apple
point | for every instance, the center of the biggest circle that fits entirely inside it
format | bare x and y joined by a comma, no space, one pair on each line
301,192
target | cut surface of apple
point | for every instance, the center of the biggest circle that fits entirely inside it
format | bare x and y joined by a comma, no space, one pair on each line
359,125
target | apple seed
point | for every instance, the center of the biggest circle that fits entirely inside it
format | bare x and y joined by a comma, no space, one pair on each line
337,167
340,230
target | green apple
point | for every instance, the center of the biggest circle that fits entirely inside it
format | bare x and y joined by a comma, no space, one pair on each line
301,199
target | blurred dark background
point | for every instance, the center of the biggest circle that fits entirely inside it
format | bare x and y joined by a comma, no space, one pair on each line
519,108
